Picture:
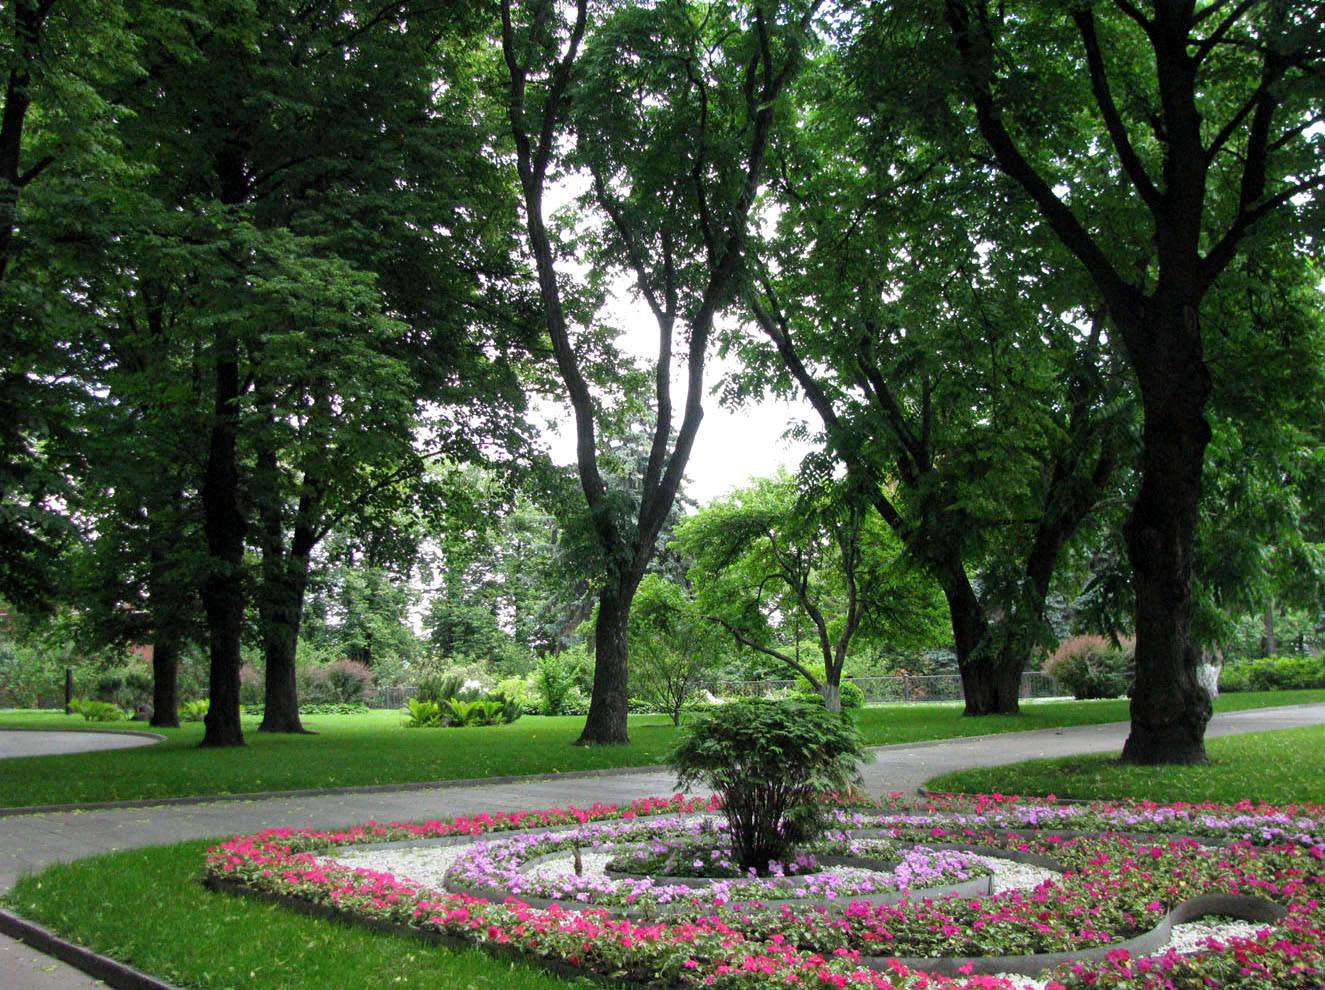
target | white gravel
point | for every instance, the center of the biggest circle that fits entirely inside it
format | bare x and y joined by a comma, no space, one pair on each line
427,865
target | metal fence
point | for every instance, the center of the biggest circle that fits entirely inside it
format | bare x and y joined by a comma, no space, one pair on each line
389,695
905,688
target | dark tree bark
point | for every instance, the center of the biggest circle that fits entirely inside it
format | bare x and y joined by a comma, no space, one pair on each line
605,723
223,586
1170,709
29,17
165,643
281,609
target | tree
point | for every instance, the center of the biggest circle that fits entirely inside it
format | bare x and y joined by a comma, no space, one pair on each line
672,646
671,109
1207,110
769,554
55,124
314,264
966,388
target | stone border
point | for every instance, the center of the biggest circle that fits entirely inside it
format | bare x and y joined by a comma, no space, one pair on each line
101,967
1240,906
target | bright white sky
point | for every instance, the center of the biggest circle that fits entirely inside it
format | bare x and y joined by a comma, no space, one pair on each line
730,448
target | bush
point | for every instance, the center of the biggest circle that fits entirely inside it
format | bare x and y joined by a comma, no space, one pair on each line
193,711
852,695
348,680
1273,674
771,762
422,714
1092,667
315,708
555,680
96,711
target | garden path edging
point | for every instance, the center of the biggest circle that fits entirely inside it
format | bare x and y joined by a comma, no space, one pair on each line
112,973
1239,906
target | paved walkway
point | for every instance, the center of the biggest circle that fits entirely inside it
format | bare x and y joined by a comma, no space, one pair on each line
54,742
30,842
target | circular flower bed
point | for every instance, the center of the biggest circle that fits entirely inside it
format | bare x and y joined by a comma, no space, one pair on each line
1125,869
878,871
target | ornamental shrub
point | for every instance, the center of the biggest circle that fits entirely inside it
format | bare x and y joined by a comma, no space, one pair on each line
422,714
1092,667
348,680
772,762
555,680
851,693
194,711
1273,674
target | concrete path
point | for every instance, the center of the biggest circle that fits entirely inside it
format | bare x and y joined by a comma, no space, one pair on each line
54,742
28,843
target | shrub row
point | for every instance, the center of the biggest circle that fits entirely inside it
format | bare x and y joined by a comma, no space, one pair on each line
1273,674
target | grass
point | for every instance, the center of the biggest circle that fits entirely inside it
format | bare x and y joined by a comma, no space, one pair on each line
1279,768
144,908
373,748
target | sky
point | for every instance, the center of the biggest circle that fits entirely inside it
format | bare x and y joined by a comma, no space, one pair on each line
732,446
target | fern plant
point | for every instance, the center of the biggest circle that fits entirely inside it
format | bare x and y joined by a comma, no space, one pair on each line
422,714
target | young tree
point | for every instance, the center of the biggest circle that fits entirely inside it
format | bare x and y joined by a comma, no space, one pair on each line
769,552
672,645
670,108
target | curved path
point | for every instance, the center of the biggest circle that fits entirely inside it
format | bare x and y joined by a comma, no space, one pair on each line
30,842
53,742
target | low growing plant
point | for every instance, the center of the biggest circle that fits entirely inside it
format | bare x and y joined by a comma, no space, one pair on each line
194,711
96,711
422,714
771,762
1273,674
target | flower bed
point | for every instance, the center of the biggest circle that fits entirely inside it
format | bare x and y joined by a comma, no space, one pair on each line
1114,887
498,869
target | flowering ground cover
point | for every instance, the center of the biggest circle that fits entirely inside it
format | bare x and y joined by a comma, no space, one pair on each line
1123,869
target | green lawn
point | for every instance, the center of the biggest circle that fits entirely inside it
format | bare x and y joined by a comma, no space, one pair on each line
354,750
1278,768
145,908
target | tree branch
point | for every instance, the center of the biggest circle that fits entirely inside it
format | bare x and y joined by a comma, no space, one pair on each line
1113,122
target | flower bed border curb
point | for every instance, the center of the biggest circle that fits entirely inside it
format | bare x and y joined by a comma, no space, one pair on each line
43,940
1239,906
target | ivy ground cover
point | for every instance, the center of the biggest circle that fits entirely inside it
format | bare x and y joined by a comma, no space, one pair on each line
1119,871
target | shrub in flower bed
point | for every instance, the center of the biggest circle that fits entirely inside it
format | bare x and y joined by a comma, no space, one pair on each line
1113,885
771,762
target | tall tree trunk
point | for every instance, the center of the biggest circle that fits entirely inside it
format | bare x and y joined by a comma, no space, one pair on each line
1170,709
609,704
165,681
280,612
992,686
280,604
223,588
165,606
